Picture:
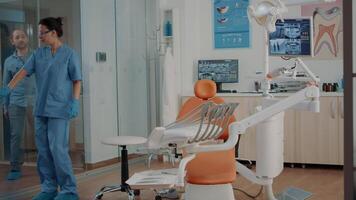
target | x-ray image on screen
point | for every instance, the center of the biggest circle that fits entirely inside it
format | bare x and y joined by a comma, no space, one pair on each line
220,71
293,37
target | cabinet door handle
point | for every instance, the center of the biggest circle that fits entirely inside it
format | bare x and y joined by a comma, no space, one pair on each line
333,109
342,109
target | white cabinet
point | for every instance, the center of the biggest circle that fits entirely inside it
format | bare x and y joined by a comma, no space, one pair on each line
317,137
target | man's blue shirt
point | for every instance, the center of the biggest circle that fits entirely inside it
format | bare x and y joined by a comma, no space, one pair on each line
20,94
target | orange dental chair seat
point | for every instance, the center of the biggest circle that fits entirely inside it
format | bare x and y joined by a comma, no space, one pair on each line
209,168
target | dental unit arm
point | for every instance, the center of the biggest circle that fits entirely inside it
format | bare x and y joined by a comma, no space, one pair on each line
310,93
283,71
269,162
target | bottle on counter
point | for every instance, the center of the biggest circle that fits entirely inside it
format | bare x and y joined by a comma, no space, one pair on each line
335,87
341,85
329,87
324,87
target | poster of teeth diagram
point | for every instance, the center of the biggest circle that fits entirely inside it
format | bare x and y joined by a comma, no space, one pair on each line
231,25
328,30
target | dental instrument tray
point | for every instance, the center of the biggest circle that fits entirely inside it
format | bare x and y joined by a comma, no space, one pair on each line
204,123
154,179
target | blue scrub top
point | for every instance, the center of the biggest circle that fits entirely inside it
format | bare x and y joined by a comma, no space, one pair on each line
24,88
54,80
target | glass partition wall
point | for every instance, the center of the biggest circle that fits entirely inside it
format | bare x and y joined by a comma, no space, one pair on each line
16,15
25,15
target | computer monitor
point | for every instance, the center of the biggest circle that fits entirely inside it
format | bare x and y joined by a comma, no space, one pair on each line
220,71
292,38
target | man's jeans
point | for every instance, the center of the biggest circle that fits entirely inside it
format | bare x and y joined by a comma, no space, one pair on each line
17,115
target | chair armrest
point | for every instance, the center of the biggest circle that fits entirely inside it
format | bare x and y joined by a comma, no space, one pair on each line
181,170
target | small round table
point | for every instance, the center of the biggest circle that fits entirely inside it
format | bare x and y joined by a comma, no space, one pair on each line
121,141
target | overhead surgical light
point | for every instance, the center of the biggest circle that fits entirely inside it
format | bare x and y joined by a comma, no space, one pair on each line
266,13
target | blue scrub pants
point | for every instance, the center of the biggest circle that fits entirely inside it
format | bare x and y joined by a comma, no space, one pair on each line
17,116
53,162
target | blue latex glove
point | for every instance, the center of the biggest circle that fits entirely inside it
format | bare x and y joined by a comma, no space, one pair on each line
73,108
4,92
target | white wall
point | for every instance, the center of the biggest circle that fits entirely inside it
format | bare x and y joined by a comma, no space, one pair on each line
197,43
100,117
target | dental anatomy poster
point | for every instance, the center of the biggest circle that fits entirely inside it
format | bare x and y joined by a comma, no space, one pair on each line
231,25
328,30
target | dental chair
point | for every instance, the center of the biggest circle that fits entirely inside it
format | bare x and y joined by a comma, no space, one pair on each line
202,122
213,182
269,138
204,90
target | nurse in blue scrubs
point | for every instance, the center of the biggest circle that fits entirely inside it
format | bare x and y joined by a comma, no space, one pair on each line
57,72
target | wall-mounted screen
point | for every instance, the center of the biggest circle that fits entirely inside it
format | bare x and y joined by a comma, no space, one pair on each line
293,37
220,71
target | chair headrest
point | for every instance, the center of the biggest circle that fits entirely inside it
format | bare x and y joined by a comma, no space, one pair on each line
205,89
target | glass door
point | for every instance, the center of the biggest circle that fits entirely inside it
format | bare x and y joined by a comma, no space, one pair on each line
17,15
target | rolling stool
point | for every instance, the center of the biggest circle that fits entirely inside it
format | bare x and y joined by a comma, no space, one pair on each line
121,141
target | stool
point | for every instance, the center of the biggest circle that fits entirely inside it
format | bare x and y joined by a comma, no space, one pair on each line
121,141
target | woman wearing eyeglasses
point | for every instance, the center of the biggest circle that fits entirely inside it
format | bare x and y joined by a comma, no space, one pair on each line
57,71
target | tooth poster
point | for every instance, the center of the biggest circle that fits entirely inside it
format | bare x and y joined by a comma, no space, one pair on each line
231,25
328,31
